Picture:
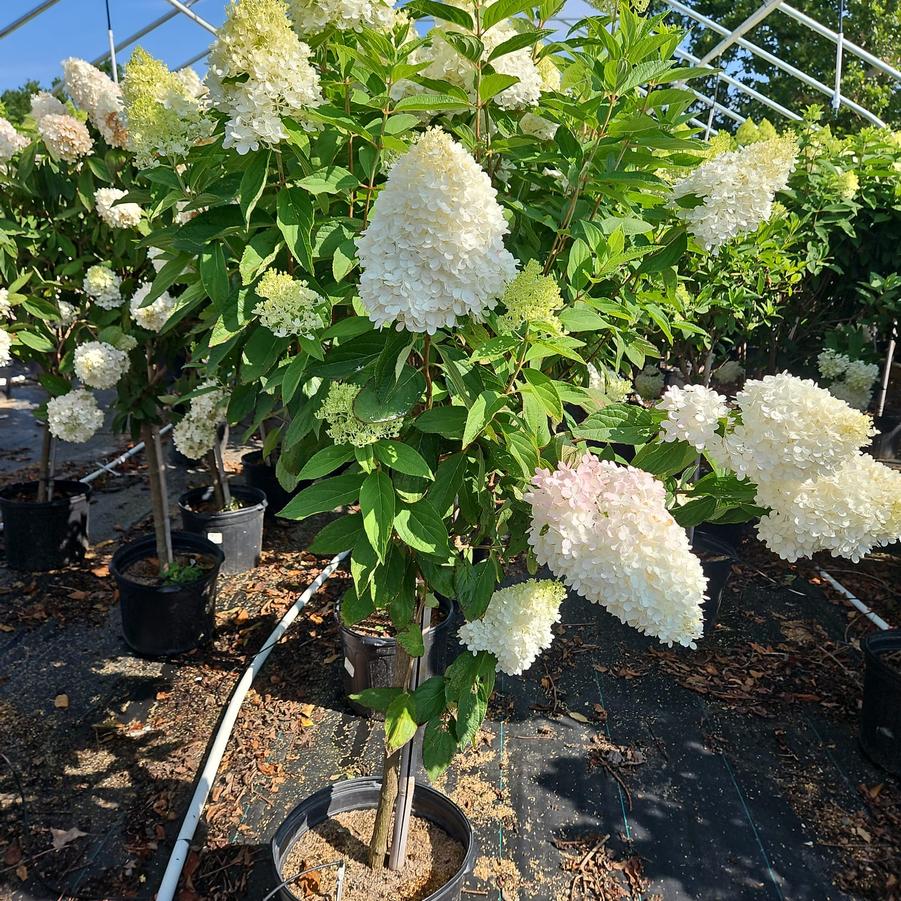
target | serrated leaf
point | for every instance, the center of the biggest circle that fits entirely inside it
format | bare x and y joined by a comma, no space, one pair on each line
400,721
324,496
402,458
421,528
438,749
326,461
377,502
294,216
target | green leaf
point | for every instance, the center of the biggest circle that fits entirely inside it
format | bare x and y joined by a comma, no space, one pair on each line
430,103
504,9
338,536
517,42
694,512
400,721
410,639
258,253
421,9
332,180
363,564
214,275
478,416
377,500
493,83
665,459
667,256
253,182
429,699
355,607
624,423
471,709
325,461
35,342
376,698
467,45
372,406
293,375
402,458
448,481
324,496
542,387
421,528
445,421
438,748
294,215
475,586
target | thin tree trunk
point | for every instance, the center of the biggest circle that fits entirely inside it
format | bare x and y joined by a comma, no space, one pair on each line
159,498
46,467
220,479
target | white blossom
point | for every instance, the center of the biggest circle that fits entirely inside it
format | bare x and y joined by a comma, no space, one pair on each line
433,250
67,313
737,189
11,142
99,96
121,215
693,414
6,308
313,16
99,365
605,530
6,343
290,306
197,433
832,364
102,285
155,315
259,72
516,627
74,417
538,127
65,137
43,104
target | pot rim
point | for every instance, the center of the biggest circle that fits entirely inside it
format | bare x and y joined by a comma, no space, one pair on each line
370,782
84,492
378,641
878,643
705,541
249,493
187,539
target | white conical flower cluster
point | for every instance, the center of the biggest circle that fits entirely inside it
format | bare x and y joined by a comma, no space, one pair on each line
850,380
45,104
196,434
11,142
116,215
65,137
99,365
74,416
605,530
154,315
434,250
259,73
6,343
516,627
313,16
290,306
99,96
6,308
102,285
693,414
737,189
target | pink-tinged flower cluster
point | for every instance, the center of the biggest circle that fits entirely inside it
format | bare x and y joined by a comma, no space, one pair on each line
605,530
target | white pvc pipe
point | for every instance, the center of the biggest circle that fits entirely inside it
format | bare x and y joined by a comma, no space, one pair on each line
856,601
169,885
109,467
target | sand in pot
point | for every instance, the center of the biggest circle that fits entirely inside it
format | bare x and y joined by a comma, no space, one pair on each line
433,857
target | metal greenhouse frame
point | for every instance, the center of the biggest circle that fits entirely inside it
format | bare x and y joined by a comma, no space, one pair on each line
712,105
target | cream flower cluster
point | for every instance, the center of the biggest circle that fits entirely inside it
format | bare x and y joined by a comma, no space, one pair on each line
259,72
43,103
605,530
289,307
851,380
196,434
102,285
313,16
11,142
99,365
343,425
67,313
6,343
649,382
6,308
737,189
729,373
65,137
434,249
74,416
165,113
693,414
611,385
531,298
99,96
516,627
447,64
846,513
155,315
538,127
116,215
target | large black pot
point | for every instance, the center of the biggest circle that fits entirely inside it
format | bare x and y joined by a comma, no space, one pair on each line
362,794
886,446
880,716
160,620
261,475
42,536
239,533
717,565
369,660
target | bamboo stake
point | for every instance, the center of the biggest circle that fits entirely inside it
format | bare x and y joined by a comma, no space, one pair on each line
220,479
887,371
46,466
159,500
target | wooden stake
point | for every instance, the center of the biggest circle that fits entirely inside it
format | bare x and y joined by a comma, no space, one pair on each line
159,498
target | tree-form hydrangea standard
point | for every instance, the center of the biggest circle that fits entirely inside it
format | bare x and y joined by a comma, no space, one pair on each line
605,530
434,250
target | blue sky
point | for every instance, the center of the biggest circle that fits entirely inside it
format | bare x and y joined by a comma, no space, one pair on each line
78,28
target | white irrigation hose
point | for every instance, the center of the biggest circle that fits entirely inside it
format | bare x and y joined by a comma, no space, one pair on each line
169,885
113,464
856,601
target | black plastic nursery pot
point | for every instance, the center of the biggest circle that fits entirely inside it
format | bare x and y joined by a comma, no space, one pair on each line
239,533
47,535
161,620
261,475
717,558
363,794
369,659
886,446
880,716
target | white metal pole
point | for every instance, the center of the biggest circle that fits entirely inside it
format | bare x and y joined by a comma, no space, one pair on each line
887,371
839,47
112,44
182,8
731,37
26,17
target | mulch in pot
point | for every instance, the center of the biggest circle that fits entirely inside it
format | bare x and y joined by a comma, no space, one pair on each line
147,571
